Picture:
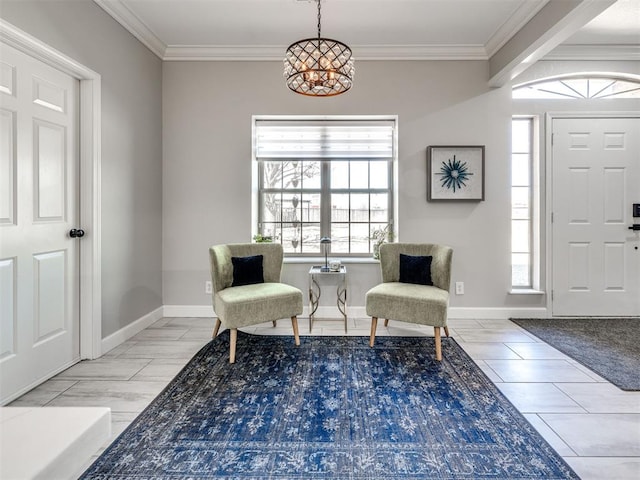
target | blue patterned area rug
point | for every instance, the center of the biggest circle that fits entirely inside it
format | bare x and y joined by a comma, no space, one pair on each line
333,408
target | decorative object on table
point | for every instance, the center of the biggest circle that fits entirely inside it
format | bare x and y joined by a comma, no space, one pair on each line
334,265
416,278
332,409
316,276
608,346
325,242
455,173
258,238
247,288
380,236
319,67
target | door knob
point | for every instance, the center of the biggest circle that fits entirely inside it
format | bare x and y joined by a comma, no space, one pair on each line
76,233
635,227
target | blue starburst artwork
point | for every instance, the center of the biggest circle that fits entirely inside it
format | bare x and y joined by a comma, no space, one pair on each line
454,174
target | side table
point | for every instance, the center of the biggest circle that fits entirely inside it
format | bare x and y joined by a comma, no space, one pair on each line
340,277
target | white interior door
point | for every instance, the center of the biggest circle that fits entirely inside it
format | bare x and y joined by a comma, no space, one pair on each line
39,284
596,181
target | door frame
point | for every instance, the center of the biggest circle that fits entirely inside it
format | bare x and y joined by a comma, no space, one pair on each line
549,117
90,165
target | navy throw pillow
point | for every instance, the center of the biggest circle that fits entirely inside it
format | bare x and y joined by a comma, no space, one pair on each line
247,270
415,269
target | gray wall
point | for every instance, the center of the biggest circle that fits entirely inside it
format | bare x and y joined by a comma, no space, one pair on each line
176,158
207,165
131,146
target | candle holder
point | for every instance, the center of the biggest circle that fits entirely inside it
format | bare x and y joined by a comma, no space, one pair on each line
325,242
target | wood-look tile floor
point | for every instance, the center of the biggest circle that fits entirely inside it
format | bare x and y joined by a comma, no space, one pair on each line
594,425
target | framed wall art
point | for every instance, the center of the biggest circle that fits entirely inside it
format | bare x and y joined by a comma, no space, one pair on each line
455,173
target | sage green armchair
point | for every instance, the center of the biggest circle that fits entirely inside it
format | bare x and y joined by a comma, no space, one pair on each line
411,302
250,304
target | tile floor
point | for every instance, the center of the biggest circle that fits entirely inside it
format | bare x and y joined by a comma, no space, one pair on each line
591,423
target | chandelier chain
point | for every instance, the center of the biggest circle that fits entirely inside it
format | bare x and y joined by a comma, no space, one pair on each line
319,17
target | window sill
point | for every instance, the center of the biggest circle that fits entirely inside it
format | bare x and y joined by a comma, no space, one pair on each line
526,291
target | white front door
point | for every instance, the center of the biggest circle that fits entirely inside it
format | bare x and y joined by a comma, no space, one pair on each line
596,181
39,279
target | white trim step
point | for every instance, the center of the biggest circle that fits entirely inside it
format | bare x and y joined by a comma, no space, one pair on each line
50,442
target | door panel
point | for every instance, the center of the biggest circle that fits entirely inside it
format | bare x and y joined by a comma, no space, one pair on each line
49,282
39,262
49,156
7,166
7,308
596,179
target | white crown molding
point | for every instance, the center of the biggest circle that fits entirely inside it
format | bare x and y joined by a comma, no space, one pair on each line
130,21
514,23
205,53
361,52
420,52
594,52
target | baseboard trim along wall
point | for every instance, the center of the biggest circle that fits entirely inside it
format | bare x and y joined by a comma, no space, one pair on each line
189,311
206,311
125,333
360,312
497,313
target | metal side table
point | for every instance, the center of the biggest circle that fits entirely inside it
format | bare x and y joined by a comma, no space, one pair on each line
339,277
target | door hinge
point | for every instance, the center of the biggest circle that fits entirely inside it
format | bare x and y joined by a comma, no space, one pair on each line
551,217
552,294
552,138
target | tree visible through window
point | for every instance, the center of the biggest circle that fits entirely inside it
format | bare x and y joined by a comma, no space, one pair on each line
329,178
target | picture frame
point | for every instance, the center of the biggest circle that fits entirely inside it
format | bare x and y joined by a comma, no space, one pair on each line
455,173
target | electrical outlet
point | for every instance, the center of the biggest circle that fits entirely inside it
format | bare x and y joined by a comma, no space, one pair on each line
208,287
459,288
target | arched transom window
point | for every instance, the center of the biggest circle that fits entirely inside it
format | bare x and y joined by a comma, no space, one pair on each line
579,86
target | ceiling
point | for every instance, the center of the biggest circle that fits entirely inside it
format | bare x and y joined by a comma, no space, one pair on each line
375,29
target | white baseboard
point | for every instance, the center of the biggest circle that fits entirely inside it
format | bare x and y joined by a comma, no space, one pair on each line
206,311
191,311
125,333
331,311
497,313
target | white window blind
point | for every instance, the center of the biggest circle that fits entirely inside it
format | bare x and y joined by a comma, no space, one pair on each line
324,140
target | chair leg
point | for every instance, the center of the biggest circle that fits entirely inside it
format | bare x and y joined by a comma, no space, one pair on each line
216,329
275,323
446,331
296,334
438,344
232,348
386,322
374,324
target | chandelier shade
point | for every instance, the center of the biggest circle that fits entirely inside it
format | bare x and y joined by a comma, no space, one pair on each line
319,67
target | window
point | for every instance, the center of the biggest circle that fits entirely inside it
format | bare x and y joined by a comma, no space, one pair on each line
522,203
582,86
324,178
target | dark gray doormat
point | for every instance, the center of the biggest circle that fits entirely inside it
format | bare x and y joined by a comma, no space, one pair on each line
608,346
